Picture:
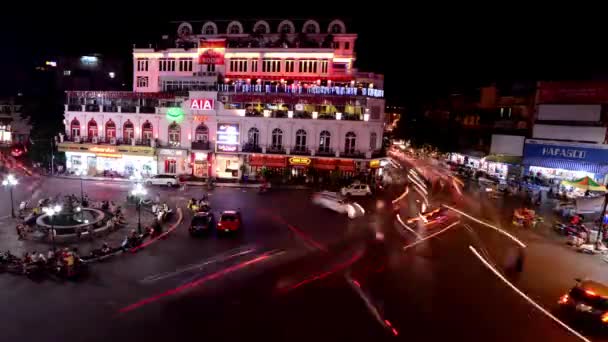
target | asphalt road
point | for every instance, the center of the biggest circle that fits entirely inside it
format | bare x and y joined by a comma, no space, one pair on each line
297,272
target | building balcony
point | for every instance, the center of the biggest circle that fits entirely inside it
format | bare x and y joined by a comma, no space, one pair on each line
249,147
325,152
352,154
300,151
201,145
106,141
276,149
299,90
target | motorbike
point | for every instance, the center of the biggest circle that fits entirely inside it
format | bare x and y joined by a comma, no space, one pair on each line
132,242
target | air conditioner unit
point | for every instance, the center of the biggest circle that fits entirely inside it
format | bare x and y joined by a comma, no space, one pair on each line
113,141
223,99
77,139
95,140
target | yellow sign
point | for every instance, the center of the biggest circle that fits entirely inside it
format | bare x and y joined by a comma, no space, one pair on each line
299,161
374,164
101,149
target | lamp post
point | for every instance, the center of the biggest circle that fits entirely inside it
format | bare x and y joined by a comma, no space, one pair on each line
10,181
139,191
51,212
80,173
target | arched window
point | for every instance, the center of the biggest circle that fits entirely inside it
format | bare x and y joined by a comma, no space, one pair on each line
75,128
235,28
253,136
300,140
277,139
286,26
349,143
146,132
201,134
92,128
110,129
261,27
174,135
128,132
336,26
325,141
209,28
311,26
372,141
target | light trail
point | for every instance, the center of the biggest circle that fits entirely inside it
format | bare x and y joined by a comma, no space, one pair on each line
402,196
430,236
307,238
408,227
516,240
523,295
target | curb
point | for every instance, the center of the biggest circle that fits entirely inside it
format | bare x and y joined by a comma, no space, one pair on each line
163,235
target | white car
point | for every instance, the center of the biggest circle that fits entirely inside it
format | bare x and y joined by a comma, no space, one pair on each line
332,200
168,180
356,190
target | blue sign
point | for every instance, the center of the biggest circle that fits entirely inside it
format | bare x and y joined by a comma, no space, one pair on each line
566,152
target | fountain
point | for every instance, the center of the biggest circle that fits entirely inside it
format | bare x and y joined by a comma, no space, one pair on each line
71,219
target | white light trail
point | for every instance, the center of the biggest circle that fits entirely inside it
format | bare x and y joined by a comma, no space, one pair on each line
408,227
516,240
430,236
521,293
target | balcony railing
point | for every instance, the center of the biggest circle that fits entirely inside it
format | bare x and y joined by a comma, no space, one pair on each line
276,149
298,89
104,140
92,108
201,145
325,152
352,154
249,147
300,151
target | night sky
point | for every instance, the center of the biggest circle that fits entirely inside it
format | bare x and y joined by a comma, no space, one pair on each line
423,52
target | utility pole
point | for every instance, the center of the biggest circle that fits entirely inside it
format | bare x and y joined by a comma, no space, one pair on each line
52,156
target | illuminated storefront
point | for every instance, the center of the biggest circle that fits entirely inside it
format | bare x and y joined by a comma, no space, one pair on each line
123,160
173,161
5,134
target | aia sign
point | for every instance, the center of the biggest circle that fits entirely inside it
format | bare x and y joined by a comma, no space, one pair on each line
201,104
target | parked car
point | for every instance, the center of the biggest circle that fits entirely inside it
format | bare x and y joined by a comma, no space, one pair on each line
356,189
587,300
230,222
202,223
168,180
333,201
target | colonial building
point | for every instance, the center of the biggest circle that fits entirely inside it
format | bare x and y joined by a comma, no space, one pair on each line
229,98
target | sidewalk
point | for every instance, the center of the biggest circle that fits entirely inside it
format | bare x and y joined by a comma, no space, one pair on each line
190,183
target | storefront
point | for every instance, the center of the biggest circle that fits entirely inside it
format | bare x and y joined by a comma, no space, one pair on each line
99,159
201,164
227,166
299,166
501,166
173,161
473,161
564,160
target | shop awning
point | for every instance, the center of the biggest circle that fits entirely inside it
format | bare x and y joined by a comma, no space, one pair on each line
346,165
324,164
585,183
255,160
272,161
501,158
566,165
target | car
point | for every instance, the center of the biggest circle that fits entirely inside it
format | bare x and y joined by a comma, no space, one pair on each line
201,223
333,201
587,300
168,180
356,189
230,222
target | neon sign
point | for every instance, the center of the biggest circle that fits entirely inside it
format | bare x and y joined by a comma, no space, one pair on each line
175,114
200,118
226,148
299,161
228,134
201,104
102,150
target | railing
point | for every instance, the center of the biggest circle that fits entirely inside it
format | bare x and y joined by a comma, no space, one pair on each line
74,107
249,147
326,152
92,108
110,109
200,145
379,153
276,149
352,154
106,140
147,110
300,151
298,89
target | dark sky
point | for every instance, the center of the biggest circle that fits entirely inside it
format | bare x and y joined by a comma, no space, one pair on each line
423,52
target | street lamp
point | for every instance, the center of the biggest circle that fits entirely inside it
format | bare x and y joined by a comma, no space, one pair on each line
80,173
139,191
51,212
10,181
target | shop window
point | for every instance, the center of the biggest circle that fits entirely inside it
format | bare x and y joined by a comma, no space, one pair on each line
92,128
174,135
372,141
110,129
146,132
75,128
128,132
142,64
300,140
170,166
253,136
201,134
277,139
325,141
349,143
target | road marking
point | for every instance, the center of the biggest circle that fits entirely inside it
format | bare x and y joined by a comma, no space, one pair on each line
530,300
215,259
516,240
408,227
429,236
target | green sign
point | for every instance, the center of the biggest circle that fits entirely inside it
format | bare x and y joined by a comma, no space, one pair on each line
175,114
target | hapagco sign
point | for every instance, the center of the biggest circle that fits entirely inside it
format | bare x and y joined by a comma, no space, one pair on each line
566,151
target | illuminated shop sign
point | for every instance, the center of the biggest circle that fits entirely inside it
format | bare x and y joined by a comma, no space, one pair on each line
299,161
228,134
102,149
226,148
201,104
175,114
374,164
200,118
211,57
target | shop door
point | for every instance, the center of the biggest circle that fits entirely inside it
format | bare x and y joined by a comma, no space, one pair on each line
170,166
201,169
